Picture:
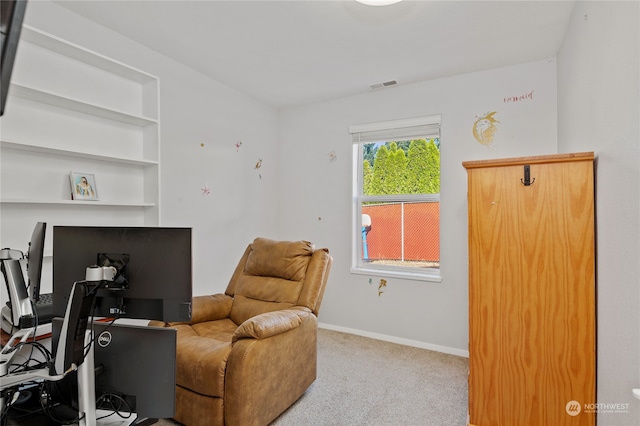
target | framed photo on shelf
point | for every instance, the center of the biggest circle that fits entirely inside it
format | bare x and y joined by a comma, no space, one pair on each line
83,186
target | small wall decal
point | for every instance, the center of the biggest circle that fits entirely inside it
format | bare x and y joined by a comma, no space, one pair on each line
206,191
257,167
332,156
238,145
484,128
519,98
383,283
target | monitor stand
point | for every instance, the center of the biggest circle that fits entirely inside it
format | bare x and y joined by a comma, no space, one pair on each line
87,385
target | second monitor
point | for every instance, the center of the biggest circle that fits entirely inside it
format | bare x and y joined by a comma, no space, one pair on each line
154,279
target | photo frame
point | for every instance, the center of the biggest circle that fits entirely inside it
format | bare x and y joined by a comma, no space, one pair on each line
83,186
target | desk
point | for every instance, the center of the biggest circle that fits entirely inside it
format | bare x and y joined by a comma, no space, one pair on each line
44,332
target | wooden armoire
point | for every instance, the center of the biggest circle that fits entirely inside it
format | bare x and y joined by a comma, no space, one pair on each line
532,346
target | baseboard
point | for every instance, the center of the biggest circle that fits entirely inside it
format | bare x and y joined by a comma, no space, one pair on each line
398,340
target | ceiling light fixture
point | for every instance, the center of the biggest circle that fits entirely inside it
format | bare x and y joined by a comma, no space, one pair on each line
378,2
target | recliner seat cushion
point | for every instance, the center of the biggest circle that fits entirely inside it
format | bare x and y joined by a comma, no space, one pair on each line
219,330
201,360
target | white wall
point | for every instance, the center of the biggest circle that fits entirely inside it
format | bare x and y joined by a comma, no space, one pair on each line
599,110
195,110
316,193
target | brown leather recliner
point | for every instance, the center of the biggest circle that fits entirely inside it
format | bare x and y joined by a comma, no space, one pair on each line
248,354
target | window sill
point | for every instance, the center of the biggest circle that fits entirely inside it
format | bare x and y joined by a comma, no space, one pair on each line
407,275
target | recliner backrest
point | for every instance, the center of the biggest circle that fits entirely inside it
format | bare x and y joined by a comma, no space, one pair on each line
274,275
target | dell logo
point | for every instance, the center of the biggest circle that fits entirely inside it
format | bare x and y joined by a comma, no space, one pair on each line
104,339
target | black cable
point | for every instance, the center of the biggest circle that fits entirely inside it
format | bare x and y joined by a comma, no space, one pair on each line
35,314
108,398
93,291
18,367
114,319
25,365
8,395
24,412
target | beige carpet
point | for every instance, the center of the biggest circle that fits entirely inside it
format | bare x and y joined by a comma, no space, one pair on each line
363,381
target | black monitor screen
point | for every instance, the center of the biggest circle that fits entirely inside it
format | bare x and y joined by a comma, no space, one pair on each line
35,258
154,270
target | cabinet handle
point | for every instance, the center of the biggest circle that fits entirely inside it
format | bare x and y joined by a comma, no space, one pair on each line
527,176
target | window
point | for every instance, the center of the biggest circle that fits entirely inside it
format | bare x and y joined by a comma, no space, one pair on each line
396,188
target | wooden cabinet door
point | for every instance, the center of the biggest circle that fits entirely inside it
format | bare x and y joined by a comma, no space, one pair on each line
531,293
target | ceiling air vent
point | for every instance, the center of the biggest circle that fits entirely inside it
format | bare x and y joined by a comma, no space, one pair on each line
384,84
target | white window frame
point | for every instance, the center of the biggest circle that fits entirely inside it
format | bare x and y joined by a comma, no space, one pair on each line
413,128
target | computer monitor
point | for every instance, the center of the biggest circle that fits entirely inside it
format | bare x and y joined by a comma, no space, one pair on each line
35,258
134,363
139,365
18,314
154,279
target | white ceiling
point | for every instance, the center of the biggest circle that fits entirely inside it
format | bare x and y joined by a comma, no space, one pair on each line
288,53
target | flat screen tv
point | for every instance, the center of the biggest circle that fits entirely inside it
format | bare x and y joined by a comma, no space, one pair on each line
154,270
11,17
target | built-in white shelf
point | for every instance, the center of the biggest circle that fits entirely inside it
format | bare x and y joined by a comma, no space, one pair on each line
79,53
57,100
74,202
77,154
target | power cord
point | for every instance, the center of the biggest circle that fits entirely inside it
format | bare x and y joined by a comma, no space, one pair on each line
25,366
10,395
115,403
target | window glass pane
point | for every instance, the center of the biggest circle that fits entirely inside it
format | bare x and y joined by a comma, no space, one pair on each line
403,234
397,190
402,167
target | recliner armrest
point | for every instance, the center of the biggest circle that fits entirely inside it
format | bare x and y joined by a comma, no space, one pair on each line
210,308
271,323
204,308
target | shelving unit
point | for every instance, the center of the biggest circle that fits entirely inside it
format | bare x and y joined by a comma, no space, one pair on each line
72,109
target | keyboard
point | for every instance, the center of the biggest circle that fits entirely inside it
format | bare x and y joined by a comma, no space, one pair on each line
45,299
44,308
